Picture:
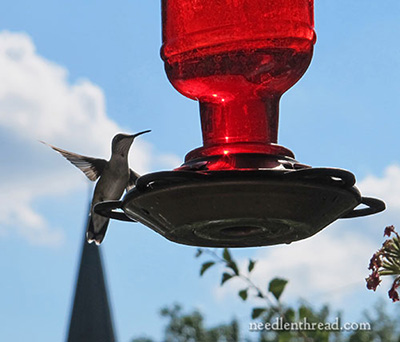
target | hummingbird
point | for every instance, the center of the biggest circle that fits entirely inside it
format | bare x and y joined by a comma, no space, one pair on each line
114,176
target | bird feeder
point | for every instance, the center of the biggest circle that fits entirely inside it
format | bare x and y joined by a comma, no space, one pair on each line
240,189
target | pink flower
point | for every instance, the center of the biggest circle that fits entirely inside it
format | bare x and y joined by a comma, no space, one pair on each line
387,244
393,294
388,230
375,261
373,280
385,262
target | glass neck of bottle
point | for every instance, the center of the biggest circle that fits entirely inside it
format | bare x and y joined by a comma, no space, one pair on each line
253,120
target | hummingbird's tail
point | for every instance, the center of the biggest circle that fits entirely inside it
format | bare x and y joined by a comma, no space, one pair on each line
97,228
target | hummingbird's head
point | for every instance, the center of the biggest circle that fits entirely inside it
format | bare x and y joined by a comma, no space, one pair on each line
121,143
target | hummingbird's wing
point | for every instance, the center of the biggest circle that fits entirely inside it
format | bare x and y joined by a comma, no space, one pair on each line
132,179
91,167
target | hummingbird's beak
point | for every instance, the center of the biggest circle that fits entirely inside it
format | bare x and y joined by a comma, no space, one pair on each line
140,133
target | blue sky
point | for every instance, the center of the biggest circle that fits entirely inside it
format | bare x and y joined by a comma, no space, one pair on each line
64,65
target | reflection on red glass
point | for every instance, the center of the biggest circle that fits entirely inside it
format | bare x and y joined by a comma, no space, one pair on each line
237,57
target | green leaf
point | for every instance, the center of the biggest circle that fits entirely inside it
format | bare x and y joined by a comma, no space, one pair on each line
198,252
251,265
226,255
290,315
206,266
243,294
396,243
226,277
257,312
276,287
305,312
232,265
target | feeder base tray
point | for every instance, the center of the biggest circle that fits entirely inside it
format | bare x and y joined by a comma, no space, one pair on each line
241,208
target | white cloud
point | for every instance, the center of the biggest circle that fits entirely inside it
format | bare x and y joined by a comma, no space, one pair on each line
386,187
37,102
16,209
321,264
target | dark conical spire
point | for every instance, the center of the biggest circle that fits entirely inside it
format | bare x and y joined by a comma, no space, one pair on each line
91,316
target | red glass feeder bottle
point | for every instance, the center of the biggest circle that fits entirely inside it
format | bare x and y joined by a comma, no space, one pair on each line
237,58
240,189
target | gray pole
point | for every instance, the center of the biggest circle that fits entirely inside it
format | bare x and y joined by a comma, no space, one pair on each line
91,315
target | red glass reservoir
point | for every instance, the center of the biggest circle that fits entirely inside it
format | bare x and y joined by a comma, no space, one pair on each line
237,57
